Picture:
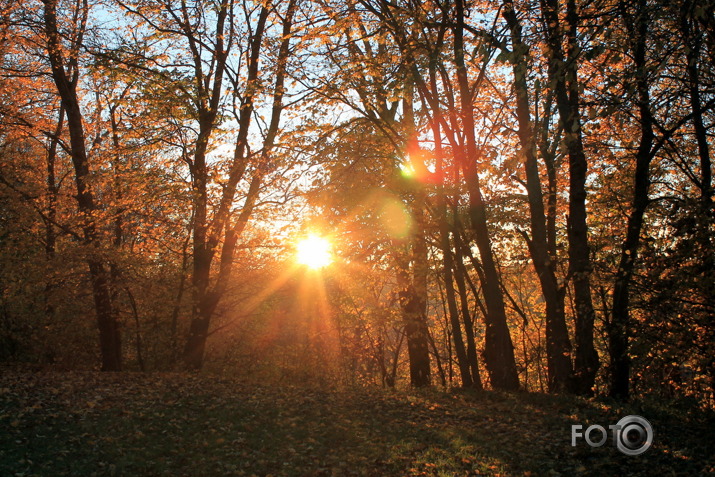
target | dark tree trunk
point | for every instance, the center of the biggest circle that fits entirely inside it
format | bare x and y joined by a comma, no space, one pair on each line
498,346
417,340
461,278
563,74
52,187
202,258
204,244
619,330
65,73
109,334
52,195
413,306
176,309
499,350
413,300
438,360
693,39
413,266
558,345
447,261
207,236
453,312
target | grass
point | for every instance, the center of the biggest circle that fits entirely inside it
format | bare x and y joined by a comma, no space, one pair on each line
182,425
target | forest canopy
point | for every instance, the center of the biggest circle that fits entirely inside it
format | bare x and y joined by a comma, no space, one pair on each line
505,195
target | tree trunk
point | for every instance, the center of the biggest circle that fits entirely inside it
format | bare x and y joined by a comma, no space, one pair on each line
447,260
207,236
52,196
498,346
558,345
693,39
460,278
563,74
459,348
413,301
619,330
65,73
438,360
417,340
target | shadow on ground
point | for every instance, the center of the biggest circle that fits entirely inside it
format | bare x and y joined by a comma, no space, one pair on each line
173,424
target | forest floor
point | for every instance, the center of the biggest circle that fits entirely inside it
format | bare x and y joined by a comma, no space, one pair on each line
172,424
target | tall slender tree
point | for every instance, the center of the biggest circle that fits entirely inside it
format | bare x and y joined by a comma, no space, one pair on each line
63,53
207,36
563,73
558,345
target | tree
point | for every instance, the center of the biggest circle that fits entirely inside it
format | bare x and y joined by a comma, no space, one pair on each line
499,350
564,78
460,133
558,345
656,130
399,135
206,36
63,53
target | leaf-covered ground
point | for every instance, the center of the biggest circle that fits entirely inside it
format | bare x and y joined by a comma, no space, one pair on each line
179,425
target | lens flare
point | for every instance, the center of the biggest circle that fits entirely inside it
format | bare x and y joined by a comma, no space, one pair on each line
314,252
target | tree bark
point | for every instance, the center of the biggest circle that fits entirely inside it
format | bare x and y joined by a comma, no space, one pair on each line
65,73
221,235
619,330
498,346
563,74
558,345
461,277
413,302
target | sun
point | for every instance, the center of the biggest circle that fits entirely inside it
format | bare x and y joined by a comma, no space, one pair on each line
314,252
